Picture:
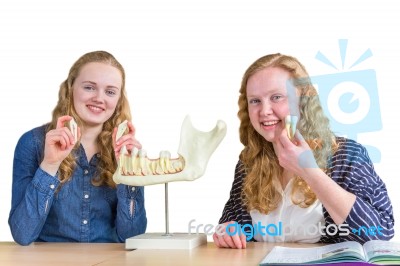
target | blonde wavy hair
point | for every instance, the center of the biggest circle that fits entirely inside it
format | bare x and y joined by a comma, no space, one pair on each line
107,161
258,156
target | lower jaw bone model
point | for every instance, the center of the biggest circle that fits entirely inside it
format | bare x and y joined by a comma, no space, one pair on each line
195,149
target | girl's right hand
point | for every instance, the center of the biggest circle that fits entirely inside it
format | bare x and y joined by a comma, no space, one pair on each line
224,240
59,143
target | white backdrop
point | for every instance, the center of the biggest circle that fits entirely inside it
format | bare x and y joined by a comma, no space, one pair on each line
187,57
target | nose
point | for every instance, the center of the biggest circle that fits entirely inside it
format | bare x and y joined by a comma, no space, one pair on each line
266,108
98,96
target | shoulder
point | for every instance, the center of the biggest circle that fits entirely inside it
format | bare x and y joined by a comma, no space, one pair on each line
350,151
33,137
240,171
351,164
349,146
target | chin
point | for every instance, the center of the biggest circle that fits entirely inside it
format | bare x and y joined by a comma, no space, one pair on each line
91,122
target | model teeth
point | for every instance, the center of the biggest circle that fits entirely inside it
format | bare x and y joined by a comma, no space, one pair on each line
138,164
290,125
194,152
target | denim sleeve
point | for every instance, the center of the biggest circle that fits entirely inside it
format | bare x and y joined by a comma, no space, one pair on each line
32,191
131,217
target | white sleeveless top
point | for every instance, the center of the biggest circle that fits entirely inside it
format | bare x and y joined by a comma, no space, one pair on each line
298,224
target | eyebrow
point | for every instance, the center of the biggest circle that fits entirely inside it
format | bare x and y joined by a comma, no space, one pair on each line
94,83
271,92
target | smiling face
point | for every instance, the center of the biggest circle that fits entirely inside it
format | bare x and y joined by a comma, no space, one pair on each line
268,96
96,92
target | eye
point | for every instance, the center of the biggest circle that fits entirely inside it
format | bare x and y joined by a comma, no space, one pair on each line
88,88
111,92
277,98
254,101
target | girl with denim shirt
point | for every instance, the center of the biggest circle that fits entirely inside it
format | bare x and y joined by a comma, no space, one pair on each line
62,188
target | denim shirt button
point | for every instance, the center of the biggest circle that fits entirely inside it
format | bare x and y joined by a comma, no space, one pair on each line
52,186
84,221
86,172
86,196
133,189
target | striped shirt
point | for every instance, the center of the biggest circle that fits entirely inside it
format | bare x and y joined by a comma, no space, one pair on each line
351,168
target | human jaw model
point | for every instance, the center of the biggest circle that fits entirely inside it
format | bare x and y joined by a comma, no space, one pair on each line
195,149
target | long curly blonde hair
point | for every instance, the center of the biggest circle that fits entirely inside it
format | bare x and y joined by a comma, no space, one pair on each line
260,186
107,161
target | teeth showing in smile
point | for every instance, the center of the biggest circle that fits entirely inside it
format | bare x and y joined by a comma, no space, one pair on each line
95,108
138,164
270,123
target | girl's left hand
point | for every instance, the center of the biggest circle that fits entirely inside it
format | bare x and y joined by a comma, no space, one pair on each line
127,140
295,155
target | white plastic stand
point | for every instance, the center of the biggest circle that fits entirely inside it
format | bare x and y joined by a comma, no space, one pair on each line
165,240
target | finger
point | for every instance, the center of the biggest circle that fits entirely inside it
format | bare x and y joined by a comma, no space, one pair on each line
67,135
61,140
284,139
131,128
128,139
114,135
231,237
131,145
299,137
278,147
57,137
236,239
222,242
235,233
216,241
243,240
67,138
62,119
122,139
229,241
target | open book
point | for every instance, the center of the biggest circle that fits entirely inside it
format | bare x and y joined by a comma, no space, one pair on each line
374,251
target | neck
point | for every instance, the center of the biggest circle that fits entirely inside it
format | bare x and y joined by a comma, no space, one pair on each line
90,134
285,178
89,140
286,175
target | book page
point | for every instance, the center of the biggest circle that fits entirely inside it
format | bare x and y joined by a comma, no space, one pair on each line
375,248
313,254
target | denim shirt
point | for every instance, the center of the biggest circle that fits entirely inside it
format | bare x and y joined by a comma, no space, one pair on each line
78,211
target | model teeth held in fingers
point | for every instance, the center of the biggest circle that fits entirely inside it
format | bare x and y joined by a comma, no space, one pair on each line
290,125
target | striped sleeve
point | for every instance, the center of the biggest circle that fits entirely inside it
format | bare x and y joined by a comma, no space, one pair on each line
353,170
234,209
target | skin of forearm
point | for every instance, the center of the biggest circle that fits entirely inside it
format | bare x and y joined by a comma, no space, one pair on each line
337,201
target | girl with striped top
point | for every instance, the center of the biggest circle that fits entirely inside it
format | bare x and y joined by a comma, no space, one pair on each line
311,187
